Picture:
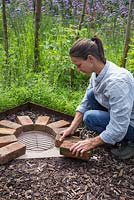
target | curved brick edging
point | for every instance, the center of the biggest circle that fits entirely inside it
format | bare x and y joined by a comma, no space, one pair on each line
10,148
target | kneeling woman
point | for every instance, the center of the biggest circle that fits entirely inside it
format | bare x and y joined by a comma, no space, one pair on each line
108,105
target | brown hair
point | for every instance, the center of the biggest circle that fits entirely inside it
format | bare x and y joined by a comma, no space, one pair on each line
84,47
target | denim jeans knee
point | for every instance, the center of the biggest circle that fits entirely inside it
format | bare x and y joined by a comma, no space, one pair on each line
96,120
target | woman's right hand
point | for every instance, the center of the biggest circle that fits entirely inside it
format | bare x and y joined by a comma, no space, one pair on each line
65,133
71,129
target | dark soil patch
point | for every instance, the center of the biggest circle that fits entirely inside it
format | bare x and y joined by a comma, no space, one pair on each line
33,115
101,178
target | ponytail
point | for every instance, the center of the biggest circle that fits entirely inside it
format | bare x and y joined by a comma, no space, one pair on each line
100,48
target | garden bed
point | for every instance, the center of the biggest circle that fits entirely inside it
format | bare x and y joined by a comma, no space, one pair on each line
102,177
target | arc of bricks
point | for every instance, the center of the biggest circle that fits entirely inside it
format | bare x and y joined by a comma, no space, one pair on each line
10,148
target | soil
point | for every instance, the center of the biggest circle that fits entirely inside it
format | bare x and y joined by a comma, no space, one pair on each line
102,177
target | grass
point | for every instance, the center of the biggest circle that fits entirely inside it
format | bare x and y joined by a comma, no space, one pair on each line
62,99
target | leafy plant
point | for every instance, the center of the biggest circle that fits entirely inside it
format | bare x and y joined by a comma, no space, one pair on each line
57,84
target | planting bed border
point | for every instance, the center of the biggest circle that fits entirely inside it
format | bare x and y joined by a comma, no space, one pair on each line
34,107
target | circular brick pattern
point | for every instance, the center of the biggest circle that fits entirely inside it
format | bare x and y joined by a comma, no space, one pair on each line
26,139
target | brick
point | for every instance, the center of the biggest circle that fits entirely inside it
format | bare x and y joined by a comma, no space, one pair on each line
57,140
41,122
58,136
7,131
12,125
26,122
58,124
49,130
65,146
5,140
11,151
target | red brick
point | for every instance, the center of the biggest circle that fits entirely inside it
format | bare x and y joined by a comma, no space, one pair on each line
11,151
41,122
65,149
57,140
5,140
49,130
58,124
26,122
12,125
58,136
7,131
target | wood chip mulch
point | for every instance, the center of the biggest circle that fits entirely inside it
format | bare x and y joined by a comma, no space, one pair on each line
101,178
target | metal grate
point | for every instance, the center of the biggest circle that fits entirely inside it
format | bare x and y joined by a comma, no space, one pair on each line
37,140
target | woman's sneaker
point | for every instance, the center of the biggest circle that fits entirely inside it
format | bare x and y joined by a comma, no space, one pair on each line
124,151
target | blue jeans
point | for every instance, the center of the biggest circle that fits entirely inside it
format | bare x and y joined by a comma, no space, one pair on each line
98,117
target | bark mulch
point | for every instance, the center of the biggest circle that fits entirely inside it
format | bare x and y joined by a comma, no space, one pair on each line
102,177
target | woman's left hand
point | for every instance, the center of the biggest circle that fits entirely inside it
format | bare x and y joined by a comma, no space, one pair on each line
85,145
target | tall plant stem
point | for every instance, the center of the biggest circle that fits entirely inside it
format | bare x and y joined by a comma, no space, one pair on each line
77,36
127,36
82,18
37,27
5,29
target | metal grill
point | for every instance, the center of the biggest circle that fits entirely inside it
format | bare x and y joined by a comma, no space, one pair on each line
36,140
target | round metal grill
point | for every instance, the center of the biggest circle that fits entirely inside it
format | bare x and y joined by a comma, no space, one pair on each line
37,140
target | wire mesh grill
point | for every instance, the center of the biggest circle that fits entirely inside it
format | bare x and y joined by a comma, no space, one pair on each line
37,140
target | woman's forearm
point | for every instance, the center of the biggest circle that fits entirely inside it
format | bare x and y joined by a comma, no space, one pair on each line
76,121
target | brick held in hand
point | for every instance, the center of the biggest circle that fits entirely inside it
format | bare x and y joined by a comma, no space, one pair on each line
57,140
58,136
65,149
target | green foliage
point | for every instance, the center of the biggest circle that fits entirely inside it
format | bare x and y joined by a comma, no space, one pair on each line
130,58
39,91
63,99
57,84
10,97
